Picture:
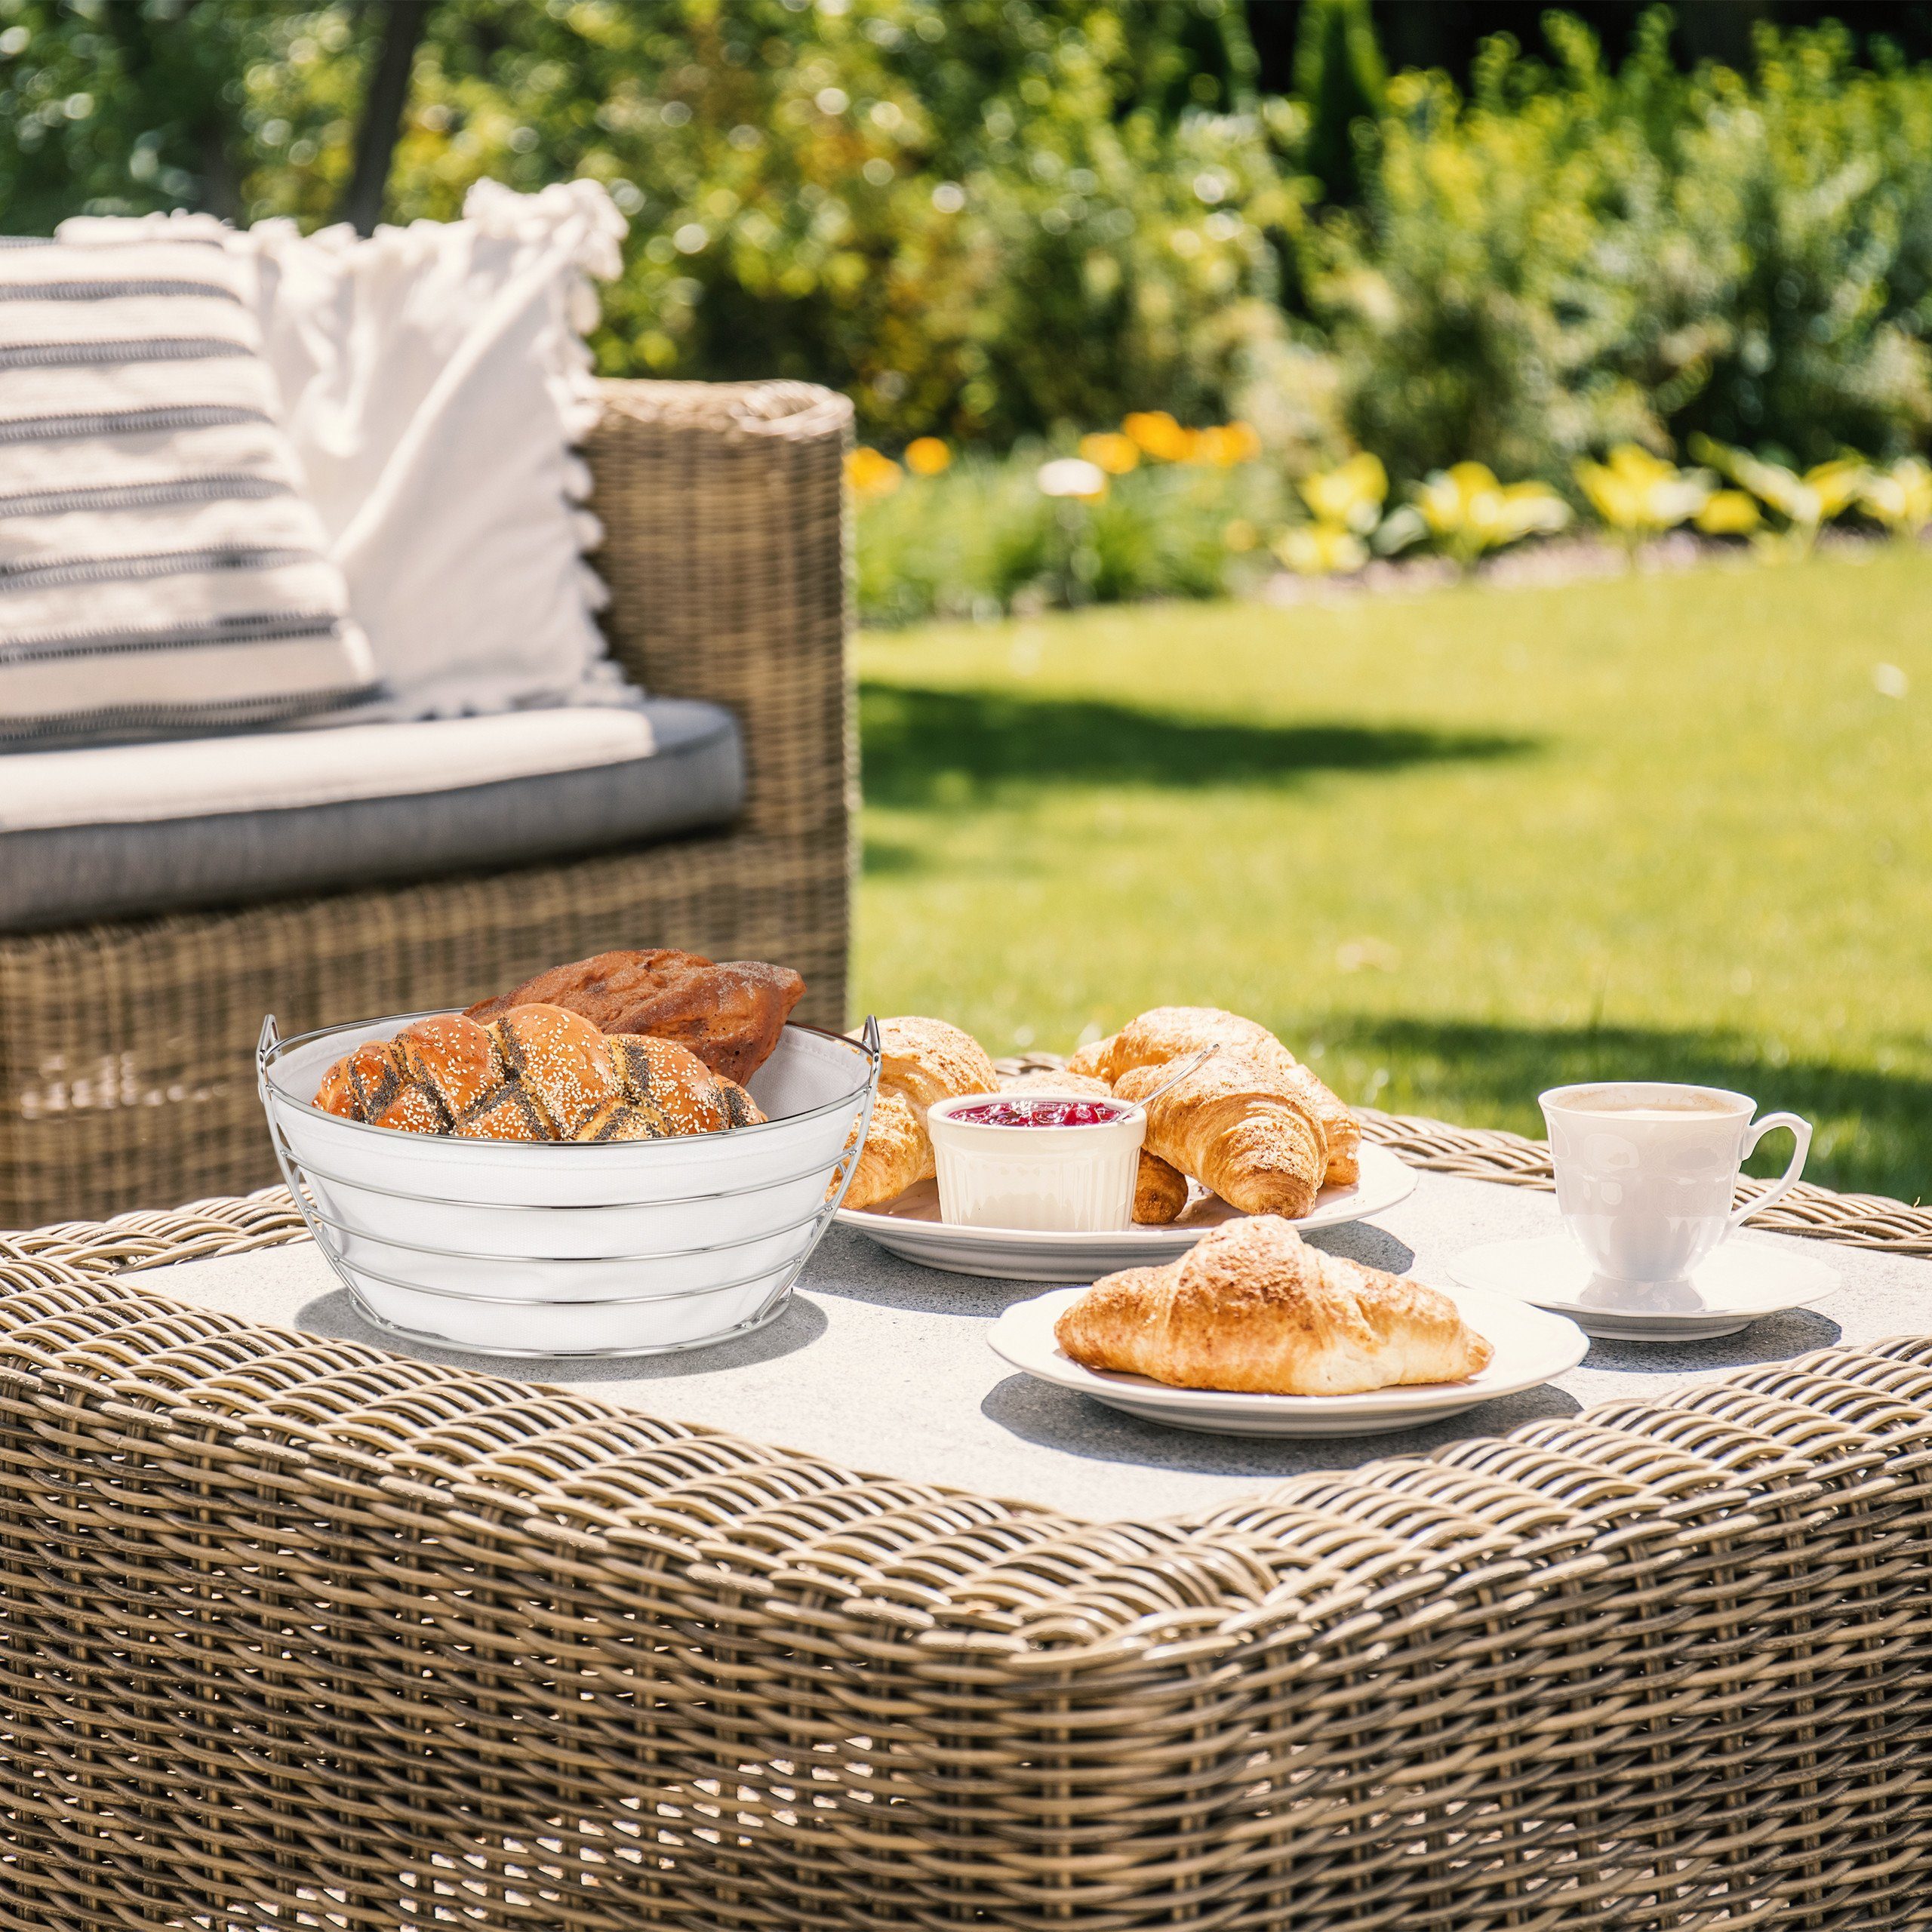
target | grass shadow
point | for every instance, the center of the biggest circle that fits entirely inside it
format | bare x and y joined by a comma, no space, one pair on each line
1873,1128
920,744
886,857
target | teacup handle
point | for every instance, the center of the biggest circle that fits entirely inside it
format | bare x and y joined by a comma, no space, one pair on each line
1802,1132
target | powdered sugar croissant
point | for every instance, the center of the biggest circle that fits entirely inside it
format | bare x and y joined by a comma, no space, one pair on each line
1252,1308
1233,1127
1167,1033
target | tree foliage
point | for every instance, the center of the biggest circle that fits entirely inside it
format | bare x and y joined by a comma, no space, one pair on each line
1573,257
991,219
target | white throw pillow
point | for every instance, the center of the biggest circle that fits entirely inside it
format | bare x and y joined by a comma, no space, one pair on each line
434,383
161,573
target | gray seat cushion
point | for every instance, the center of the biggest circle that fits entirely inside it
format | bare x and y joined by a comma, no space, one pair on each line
139,855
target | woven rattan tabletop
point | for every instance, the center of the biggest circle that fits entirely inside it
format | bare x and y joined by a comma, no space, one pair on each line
300,1631
883,1366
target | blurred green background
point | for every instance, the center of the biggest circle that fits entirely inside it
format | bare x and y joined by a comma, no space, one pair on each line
987,218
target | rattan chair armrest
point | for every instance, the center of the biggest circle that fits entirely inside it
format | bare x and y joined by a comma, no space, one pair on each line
723,550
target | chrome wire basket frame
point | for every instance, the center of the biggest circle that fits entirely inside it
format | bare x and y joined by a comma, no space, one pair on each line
333,1233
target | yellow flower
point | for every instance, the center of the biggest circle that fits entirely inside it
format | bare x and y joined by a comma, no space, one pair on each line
1729,513
1825,490
871,473
1157,435
1351,495
1239,535
1638,495
1320,549
1839,484
1113,452
927,455
1232,443
1900,497
1470,512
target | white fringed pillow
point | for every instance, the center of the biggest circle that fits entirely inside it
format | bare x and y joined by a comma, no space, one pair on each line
434,383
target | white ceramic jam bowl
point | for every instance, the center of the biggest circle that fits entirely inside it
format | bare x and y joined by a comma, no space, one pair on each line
1071,1179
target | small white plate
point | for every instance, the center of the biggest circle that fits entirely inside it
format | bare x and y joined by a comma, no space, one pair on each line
1531,1347
1743,1282
911,1226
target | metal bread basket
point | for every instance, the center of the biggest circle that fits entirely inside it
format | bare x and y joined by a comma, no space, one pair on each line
521,1248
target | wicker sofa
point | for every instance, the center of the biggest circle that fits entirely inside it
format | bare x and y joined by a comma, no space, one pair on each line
298,1632
126,1048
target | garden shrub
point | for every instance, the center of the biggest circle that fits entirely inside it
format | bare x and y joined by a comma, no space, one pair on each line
1572,258
982,538
1005,220
975,219
985,217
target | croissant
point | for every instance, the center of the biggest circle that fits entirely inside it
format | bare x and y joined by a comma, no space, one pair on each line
1160,1192
1170,1032
1252,1308
539,1073
1232,1126
729,1015
924,1060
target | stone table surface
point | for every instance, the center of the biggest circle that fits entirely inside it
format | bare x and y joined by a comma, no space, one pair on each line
883,1366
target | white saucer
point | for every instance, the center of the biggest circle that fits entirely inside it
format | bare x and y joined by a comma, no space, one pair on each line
911,1226
1743,1282
1531,1347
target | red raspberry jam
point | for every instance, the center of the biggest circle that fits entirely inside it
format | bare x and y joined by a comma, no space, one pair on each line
1046,1111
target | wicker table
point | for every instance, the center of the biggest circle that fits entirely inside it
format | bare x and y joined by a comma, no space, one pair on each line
296,1631
883,1366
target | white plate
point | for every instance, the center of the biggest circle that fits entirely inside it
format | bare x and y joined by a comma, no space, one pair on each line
911,1226
1743,1282
1531,1347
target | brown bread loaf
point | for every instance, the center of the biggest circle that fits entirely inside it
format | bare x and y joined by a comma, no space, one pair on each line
729,1015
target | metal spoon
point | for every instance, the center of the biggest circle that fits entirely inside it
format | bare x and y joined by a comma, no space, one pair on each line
1195,1059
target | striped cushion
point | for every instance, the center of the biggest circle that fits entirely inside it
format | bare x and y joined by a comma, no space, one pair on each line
160,572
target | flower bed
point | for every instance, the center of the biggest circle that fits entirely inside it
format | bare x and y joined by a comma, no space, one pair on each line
1155,509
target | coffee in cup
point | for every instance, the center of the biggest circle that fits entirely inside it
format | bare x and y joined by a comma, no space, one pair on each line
1647,1170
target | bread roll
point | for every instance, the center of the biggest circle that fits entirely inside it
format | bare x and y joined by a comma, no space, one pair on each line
452,1057
922,1061
562,1062
729,1015
509,1113
1252,1308
1160,1192
669,1083
1232,1127
618,1120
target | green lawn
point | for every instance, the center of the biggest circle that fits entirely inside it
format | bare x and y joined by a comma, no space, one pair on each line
1454,847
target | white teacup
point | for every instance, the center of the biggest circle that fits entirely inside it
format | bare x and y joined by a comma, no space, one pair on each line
1647,1170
